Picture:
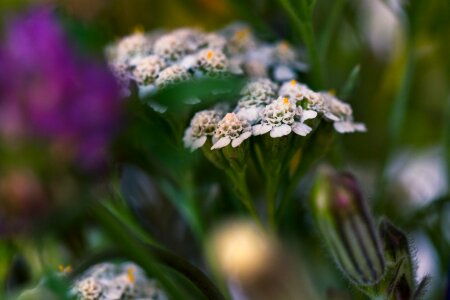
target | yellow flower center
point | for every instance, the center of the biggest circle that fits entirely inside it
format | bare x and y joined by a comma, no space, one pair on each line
210,54
130,274
293,82
285,100
332,92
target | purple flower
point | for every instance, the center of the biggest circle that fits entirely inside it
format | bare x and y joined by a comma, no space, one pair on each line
47,91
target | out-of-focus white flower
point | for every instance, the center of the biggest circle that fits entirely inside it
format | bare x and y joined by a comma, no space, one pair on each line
215,41
341,114
147,69
136,44
202,125
111,282
241,250
382,26
279,118
421,176
255,96
231,129
89,289
212,62
171,75
240,38
171,47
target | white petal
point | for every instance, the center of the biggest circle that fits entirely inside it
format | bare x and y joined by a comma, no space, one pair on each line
361,127
343,127
198,143
187,138
301,129
188,62
237,141
308,115
261,129
158,107
146,90
250,114
192,100
283,73
328,115
280,131
225,141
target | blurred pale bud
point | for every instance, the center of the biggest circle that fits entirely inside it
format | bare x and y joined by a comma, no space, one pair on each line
254,265
241,250
347,226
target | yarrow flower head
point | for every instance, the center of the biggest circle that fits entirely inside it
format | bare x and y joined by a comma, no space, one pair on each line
203,125
231,129
109,282
280,118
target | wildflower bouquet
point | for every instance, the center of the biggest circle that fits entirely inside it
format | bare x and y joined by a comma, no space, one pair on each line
195,164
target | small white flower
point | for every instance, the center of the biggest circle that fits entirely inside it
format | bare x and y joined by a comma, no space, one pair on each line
191,38
202,125
279,118
212,62
215,41
171,75
231,129
170,47
133,45
301,94
284,53
341,114
147,69
89,289
255,96
240,38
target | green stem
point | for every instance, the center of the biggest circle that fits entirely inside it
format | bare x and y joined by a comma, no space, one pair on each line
306,31
134,250
241,188
272,191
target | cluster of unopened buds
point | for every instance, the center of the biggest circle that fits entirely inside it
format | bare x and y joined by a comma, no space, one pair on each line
265,108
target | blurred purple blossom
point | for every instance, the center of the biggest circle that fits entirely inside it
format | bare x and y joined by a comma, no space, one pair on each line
48,91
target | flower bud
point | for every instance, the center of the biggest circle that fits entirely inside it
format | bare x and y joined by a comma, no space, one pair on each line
254,265
401,276
347,227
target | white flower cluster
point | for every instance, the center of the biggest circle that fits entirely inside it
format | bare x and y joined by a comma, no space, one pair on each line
265,108
157,59
108,281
